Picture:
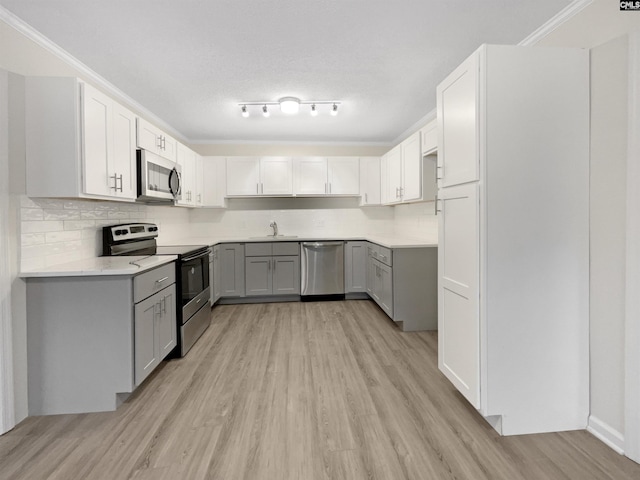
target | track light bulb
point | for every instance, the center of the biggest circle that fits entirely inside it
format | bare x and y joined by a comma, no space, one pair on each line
265,111
245,112
334,110
314,111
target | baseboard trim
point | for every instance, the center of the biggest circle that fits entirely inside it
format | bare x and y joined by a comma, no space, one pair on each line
606,434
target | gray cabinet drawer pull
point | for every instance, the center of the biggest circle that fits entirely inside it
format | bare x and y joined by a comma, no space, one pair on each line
162,279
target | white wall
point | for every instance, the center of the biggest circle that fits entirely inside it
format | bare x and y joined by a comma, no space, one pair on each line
602,28
608,212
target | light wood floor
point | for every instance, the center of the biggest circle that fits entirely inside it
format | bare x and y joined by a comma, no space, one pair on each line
299,391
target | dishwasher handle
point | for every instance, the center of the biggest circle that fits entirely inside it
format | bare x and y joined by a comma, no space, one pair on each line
321,244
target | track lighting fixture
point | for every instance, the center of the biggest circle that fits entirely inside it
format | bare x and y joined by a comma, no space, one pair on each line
290,106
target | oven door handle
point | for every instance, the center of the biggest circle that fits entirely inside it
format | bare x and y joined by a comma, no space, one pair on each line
198,255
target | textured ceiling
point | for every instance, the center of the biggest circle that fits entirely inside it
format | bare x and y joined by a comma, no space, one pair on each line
190,62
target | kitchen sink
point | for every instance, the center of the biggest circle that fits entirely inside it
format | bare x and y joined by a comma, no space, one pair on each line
276,237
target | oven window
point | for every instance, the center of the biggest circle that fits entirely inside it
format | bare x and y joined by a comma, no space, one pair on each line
195,278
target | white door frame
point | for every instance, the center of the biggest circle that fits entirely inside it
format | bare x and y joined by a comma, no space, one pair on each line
632,294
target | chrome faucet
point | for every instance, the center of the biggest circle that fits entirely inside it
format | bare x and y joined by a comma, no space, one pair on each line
274,225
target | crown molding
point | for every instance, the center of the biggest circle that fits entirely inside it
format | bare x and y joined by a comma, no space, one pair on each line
565,14
289,142
84,71
429,117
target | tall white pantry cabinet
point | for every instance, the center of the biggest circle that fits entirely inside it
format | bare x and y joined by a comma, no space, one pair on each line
513,259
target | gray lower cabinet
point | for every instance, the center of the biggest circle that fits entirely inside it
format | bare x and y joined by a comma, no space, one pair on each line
272,269
258,277
232,269
286,275
154,331
216,291
380,279
403,282
91,340
355,266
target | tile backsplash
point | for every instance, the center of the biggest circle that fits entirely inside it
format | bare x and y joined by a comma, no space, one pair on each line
56,231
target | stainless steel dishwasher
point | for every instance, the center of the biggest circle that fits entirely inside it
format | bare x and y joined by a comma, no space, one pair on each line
322,270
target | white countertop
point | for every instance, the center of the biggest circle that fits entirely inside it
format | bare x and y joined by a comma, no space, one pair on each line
101,266
389,241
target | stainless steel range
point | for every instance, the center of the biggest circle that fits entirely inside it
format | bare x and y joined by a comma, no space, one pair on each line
192,275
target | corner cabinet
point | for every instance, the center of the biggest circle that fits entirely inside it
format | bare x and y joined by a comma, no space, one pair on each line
214,179
369,181
79,142
513,252
407,175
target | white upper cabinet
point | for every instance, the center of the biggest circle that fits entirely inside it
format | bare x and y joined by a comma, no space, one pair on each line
276,176
155,140
407,175
429,138
199,182
124,152
310,176
343,175
393,175
458,132
369,181
339,176
214,177
255,176
186,158
411,188
79,142
243,176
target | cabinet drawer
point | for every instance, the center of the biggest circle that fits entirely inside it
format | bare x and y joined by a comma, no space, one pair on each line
286,248
148,283
257,249
383,254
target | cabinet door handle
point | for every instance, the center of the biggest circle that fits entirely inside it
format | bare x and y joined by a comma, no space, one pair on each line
274,264
269,265
438,209
366,199
164,305
397,192
262,188
160,142
257,189
438,167
329,187
115,182
162,279
157,313
119,189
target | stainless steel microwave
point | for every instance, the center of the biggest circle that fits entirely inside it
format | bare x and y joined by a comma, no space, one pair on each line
159,179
